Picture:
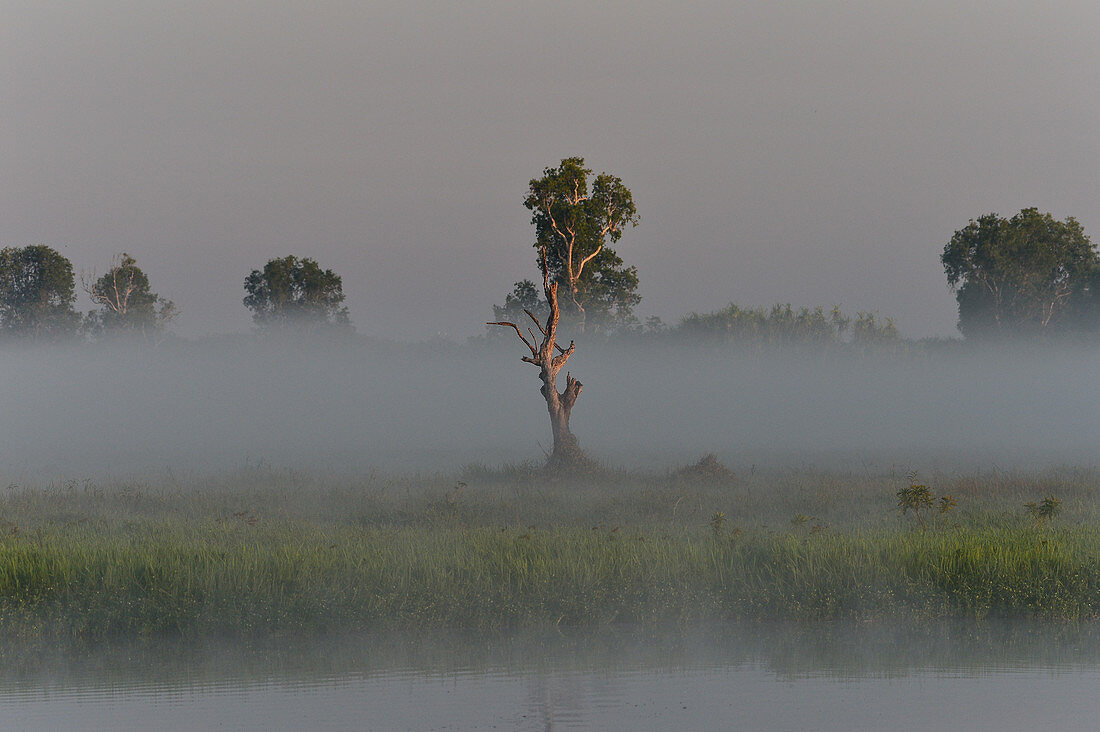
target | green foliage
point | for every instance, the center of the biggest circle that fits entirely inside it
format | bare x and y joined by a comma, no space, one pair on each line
298,293
258,552
867,332
782,325
37,293
1020,275
1044,510
234,577
576,217
914,498
524,296
917,497
129,307
717,521
608,293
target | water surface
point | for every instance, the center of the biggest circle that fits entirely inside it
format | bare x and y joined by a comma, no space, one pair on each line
814,676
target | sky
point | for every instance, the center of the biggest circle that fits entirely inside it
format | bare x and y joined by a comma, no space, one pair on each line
805,151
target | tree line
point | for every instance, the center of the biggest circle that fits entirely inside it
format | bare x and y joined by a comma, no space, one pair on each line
1030,274
38,296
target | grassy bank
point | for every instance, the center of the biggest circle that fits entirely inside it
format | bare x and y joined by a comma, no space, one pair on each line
261,552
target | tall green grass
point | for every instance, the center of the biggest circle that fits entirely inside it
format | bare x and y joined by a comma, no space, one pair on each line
289,578
278,553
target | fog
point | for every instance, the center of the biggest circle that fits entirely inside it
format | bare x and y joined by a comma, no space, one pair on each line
375,406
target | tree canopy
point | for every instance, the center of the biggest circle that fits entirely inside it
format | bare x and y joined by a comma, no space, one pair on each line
37,293
128,306
524,297
576,217
296,292
1019,275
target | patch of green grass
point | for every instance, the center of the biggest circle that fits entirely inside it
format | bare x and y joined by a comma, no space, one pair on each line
263,552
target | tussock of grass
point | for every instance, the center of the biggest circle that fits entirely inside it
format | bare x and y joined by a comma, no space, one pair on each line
708,469
260,552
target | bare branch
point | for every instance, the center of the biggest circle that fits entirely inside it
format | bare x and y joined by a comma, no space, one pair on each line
571,392
506,324
559,361
537,323
86,284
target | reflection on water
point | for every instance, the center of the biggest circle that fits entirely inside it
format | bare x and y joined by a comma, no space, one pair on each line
813,676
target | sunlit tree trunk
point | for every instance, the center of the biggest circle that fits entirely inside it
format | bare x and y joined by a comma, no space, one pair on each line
551,358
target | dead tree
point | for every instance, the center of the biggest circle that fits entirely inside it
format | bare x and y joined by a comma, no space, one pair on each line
550,358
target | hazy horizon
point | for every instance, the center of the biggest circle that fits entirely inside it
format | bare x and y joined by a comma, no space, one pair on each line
348,408
817,154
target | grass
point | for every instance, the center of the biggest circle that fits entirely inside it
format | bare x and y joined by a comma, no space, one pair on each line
263,552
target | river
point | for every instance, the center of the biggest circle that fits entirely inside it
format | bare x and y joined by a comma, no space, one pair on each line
825,676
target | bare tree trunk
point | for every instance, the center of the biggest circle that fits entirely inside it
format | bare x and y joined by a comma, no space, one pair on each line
567,453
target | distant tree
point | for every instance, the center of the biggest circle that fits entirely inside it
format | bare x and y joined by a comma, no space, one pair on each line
128,307
781,325
575,219
1018,275
1084,310
37,293
867,331
296,292
522,299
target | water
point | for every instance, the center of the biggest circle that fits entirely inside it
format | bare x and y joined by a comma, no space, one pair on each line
817,676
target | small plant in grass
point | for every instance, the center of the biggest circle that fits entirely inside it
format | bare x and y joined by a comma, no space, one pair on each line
717,521
914,498
1044,510
802,520
918,497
